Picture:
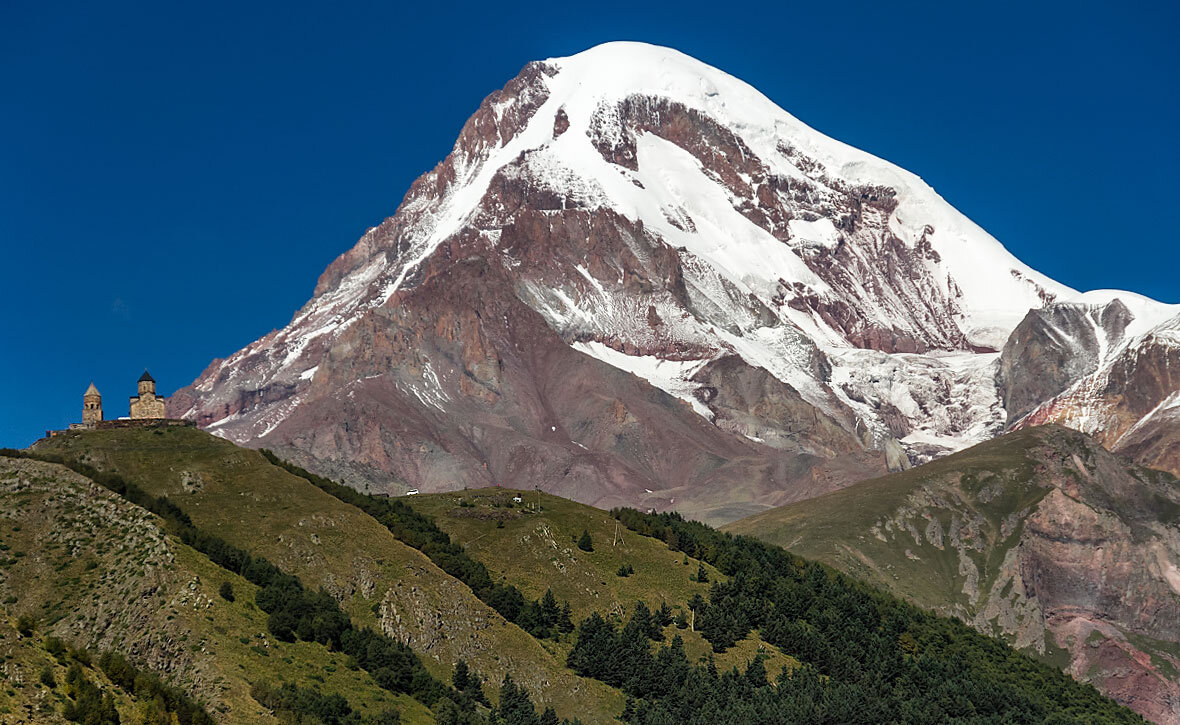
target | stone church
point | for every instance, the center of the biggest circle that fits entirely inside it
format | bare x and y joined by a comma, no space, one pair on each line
147,405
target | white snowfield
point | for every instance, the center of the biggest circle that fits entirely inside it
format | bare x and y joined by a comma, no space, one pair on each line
949,398
997,290
994,300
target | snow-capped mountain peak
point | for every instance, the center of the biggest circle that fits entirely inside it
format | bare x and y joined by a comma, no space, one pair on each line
632,211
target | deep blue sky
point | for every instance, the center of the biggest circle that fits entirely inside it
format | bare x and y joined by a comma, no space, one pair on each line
174,177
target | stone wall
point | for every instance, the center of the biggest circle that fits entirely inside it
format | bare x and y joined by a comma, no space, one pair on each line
143,423
147,406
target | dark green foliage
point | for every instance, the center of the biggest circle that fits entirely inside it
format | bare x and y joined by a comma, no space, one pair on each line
420,532
625,570
663,615
25,624
756,674
867,657
702,575
446,712
594,651
167,700
47,677
544,618
585,543
621,659
90,705
56,648
306,705
80,656
515,706
226,590
468,685
564,623
549,609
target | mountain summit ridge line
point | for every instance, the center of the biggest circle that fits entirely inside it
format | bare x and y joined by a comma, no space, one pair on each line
790,314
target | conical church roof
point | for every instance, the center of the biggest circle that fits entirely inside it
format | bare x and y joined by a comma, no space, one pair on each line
146,378
92,390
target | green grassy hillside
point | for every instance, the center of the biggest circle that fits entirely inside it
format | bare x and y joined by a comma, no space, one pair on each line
1040,537
33,681
236,494
88,567
533,544
329,583
853,529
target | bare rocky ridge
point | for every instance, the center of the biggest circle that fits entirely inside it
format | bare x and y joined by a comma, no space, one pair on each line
1130,401
636,281
1053,347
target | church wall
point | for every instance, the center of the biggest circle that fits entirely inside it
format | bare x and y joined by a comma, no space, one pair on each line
147,407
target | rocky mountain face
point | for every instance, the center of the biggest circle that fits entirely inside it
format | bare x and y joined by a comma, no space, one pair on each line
1041,537
1054,346
1123,389
635,280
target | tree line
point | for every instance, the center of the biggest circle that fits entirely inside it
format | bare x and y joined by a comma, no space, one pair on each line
866,656
537,617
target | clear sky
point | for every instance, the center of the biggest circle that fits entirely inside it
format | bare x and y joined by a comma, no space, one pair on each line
174,177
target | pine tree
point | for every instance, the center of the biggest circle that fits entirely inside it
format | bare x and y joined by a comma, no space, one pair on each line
702,575
564,623
594,653
515,706
756,673
550,612
584,542
530,620
461,677
664,615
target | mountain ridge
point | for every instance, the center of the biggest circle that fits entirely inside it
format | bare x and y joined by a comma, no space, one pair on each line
1040,537
638,208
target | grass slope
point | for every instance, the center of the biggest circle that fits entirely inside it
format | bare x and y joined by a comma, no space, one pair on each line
99,573
533,545
24,696
950,536
989,482
235,493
